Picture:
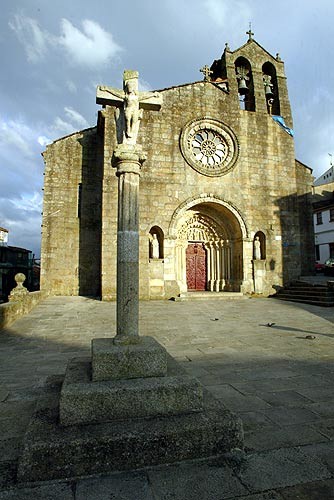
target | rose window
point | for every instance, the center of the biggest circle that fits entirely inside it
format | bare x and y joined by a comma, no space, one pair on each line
209,146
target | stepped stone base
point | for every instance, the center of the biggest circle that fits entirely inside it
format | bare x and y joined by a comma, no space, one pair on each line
89,426
84,401
52,451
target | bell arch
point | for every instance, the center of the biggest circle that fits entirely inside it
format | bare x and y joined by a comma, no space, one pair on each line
220,230
271,88
244,76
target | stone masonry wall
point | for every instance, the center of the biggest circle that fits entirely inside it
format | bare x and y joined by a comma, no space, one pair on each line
71,226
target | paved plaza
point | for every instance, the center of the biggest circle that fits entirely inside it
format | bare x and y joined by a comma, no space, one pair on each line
278,379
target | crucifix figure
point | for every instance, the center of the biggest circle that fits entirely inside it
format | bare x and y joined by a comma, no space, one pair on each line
206,72
130,103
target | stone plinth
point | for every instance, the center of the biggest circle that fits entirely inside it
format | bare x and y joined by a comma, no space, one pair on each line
52,451
259,275
111,361
83,401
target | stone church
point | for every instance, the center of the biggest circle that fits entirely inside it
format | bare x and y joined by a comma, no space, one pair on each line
224,205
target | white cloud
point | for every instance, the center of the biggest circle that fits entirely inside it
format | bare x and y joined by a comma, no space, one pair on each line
76,118
43,141
30,202
92,46
32,37
74,121
60,126
229,15
17,135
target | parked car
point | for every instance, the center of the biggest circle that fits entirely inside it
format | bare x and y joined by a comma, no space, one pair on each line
319,268
329,267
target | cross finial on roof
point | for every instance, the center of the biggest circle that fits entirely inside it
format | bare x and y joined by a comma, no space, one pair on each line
206,72
250,32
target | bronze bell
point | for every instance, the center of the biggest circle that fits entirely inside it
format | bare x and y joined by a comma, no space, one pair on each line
242,87
268,86
268,91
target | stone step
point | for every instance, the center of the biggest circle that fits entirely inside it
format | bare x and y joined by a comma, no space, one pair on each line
84,401
306,284
306,300
210,296
315,298
307,292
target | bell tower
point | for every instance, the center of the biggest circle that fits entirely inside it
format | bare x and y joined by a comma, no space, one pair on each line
255,78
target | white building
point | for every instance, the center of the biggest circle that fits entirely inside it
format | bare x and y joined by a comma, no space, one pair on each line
324,220
325,178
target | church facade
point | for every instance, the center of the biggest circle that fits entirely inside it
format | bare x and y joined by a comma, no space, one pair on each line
224,205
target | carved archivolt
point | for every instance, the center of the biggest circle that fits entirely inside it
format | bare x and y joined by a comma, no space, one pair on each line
189,206
199,227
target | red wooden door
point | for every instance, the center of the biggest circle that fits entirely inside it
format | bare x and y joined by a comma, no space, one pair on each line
196,266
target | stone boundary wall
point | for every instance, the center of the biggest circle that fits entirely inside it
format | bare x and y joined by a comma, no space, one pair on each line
15,309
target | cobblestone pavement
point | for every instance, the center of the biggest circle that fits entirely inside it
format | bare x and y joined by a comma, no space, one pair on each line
278,378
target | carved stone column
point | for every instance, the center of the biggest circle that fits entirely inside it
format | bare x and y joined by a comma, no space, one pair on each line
128,160
227,263
217,266
210,265
222,265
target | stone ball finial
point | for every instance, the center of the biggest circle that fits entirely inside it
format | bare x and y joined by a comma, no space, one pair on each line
20,279
20,291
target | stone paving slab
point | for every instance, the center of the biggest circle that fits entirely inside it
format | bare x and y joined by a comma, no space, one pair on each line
280,468
287,415
324,451
268,495
133,486
320,490
200,481
270,437
46,492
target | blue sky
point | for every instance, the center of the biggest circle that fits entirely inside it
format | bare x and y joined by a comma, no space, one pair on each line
53,54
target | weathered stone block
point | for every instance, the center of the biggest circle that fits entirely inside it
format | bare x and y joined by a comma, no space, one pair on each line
113,361
83,401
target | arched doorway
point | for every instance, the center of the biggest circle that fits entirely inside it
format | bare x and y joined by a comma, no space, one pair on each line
208,248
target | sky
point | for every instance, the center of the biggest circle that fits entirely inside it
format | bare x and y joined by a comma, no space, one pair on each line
53,54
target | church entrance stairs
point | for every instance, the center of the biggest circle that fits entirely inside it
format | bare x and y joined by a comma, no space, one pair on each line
309,292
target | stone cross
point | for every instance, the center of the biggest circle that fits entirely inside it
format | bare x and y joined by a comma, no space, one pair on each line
130,103
249,32
128,158
206,72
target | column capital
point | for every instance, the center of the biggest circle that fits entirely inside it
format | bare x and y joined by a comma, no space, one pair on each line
128,158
